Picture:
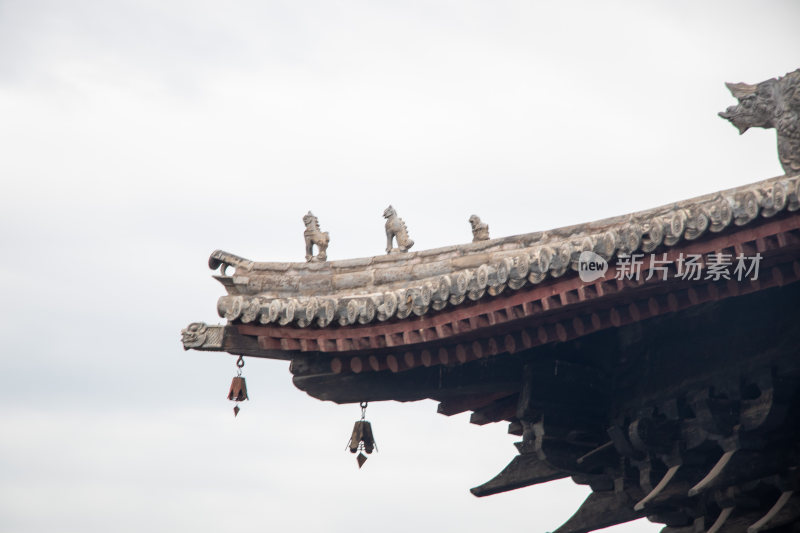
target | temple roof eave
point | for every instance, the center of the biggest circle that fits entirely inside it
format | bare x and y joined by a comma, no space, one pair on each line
396,286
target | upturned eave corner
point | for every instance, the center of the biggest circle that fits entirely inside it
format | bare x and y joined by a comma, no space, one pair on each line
671,396
407,285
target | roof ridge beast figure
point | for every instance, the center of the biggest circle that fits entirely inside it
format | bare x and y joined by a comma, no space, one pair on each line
774,103
396,228
313,235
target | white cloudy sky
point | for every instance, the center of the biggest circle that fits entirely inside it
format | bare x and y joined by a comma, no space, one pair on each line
136,137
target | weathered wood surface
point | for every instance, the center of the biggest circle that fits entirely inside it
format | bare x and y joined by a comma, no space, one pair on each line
785,511
461,404
522,471
599,510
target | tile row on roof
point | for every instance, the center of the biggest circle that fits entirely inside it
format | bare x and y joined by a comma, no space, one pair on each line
396,286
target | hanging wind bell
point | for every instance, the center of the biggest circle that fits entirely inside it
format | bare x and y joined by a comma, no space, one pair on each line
238,390
362,440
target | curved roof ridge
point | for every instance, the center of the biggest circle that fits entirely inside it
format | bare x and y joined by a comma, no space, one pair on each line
397,285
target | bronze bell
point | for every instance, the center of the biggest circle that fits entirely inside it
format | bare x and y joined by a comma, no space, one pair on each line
362,439
238,392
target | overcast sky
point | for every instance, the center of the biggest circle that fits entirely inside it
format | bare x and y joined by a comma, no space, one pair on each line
138,137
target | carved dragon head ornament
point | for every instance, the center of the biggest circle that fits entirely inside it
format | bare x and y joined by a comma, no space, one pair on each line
774,103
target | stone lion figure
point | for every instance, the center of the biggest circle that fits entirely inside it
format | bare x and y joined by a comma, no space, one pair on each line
480,230
396,228
774,103
314,236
